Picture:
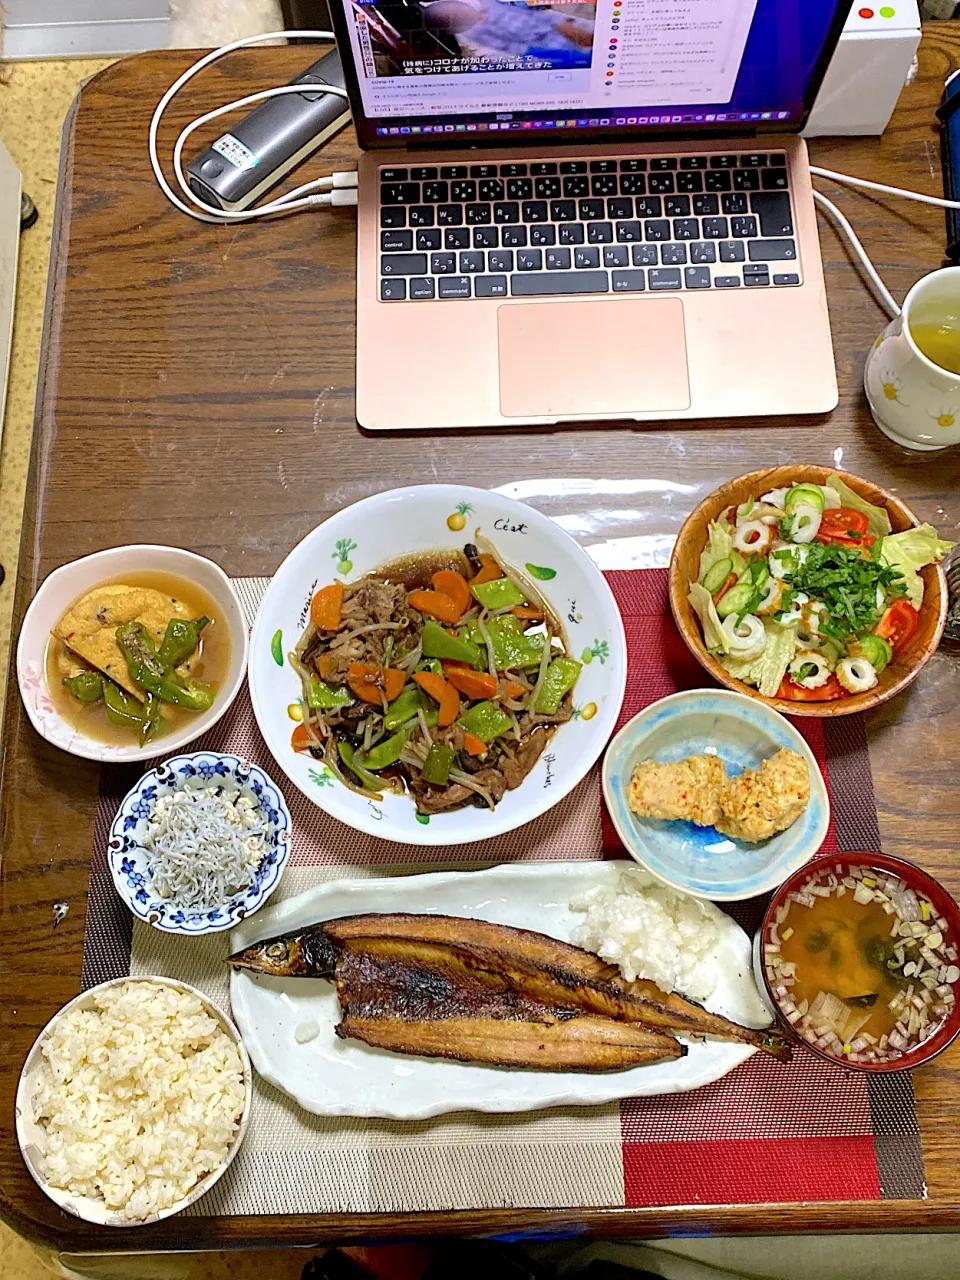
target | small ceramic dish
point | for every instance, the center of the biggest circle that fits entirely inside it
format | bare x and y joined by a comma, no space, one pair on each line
946,909
130,862
66,585
699,860
31,1134
429,518
684,567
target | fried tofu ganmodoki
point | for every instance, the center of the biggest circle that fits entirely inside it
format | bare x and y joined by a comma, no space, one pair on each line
751,807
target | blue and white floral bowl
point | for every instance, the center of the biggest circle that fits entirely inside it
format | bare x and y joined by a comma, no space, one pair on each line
130,861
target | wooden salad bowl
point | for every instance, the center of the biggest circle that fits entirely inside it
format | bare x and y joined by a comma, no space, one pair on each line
685,561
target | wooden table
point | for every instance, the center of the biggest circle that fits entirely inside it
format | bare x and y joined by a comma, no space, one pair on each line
197,388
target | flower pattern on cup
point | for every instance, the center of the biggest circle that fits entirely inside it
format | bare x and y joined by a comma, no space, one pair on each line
892,386
944,415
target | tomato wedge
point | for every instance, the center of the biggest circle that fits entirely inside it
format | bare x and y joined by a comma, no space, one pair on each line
898,624
846,526
797,693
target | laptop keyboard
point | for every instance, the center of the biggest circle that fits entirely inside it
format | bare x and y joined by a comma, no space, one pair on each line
659,225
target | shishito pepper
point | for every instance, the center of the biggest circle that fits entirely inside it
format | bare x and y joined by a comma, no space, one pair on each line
180,639
86,686
122,708
143,662
561,676
486,721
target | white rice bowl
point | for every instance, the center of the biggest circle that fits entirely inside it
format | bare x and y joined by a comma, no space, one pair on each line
133,1101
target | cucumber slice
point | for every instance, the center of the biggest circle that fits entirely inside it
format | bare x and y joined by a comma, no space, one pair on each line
805,493
717,575
737,600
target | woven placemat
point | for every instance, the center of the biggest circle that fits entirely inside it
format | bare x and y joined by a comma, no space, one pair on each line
766,1133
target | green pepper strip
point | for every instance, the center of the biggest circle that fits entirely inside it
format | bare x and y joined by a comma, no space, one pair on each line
561,676
86,686
180,639
327,697
437,766
145,667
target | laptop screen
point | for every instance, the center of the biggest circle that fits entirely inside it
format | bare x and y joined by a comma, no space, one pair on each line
437,70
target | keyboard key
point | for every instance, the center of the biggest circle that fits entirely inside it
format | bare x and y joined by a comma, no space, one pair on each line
490,286
689,181
403,264
633,166
603,166
563,210
778,161
704,206
633,184
620,207
575,187
616,255
421,175
717,180
393,290
660,163
572,233
604,184
393,175
723,162
529,260
558,259
453,287
520,188
543,168
393,217
703,252
504,212
465,189
400,193
693,162
591,210
664,277
628,281
436,192
547,188
746,180
750,281
650,207
534,210
483,171
726,282
697,278
456,238
754,161
544,235
442,264
660,183
513,237
715,229
599,232
486,238
673,255
479,214
644,255
771,250
472,262
629,231
677,206
756,269
773,179
396,241
500,260
686,229
573,166
490,189
449,215
427,240
543,282
423,286
787,277
732,251
743,228
454,171
657,229
587,257
513,171
422,215
733,202
773,210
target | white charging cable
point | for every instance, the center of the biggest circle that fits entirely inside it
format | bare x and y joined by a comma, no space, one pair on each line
337,189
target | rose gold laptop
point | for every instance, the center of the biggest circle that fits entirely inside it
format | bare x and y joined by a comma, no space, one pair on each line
582,211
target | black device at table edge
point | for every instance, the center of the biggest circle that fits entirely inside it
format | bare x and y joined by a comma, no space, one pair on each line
273,139
950,159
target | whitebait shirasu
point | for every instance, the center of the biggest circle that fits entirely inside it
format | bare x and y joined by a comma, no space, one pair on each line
205,845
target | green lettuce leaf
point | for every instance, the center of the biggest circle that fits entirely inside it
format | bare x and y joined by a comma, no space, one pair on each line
879,524
702,604
909,551
719,546
767,670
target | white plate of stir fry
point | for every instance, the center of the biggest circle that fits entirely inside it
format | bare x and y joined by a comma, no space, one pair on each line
437,664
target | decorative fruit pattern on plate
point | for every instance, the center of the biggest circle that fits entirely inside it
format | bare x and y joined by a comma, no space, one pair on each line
457,520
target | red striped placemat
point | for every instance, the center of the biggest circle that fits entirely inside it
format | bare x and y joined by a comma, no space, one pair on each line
766,1133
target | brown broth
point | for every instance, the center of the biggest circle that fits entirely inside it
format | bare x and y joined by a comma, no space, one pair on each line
211,663
415,571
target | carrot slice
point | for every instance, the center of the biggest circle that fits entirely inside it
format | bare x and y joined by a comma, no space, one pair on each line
527,613
441,691
475,684
513,689
325,607
489,571
436,604
300,740
450,583
325,665
373,684
476,746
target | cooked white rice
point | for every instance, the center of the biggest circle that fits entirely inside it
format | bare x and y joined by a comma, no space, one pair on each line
651,932
140,1097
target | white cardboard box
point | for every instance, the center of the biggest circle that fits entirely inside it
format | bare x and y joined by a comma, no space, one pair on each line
82,28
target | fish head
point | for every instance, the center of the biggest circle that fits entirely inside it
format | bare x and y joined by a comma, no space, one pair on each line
304,954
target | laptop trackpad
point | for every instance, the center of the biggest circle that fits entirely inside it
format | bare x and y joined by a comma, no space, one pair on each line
575,359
